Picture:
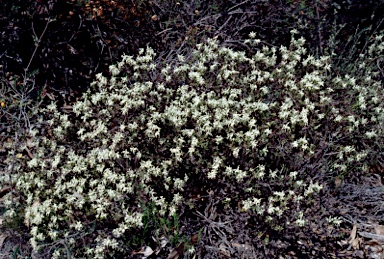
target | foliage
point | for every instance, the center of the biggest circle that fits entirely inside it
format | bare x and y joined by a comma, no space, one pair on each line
266,129
60,46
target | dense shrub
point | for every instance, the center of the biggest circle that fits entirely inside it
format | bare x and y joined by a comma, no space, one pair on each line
267,130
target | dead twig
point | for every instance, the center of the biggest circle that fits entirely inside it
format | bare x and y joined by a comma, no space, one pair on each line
318,28
37,44
379,238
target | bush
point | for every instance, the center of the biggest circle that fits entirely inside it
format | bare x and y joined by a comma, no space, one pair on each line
266,129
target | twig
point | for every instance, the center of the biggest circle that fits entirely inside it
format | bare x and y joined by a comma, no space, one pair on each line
373,236
73,34
318,27
366,42
225,23
37,45
235,6
381,71
157,34
103,42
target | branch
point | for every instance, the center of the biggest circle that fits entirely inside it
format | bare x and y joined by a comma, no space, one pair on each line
37,45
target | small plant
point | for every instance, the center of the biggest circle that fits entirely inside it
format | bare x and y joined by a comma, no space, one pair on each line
157,227
265,127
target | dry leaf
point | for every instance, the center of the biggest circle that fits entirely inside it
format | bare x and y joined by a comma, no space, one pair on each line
2,239
173,254
355,243
30,142
353,233
163,242
342,243
371,243
373,236
223,251
344,211
147,251
379,229
195,239
337,182
177,251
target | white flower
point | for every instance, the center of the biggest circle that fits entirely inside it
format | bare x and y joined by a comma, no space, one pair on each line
338,118
235,152
178,184
252,35
114,70
371,134
300,221
334,220
293,175
271,209
268,132
79,226
177,199
212,174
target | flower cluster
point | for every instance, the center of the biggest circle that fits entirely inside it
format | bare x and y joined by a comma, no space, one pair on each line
217,117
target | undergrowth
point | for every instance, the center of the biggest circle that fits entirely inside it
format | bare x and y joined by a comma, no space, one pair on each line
265,130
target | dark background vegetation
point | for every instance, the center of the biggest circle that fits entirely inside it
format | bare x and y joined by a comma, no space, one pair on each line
85,37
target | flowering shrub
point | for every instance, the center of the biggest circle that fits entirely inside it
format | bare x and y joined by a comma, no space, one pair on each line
260,127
